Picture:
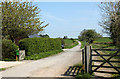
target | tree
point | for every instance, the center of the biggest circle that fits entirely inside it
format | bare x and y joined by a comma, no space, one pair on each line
65,37
44,36
111,20
88,35
20,19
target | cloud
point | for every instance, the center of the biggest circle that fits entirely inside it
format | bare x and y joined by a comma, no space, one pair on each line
55,18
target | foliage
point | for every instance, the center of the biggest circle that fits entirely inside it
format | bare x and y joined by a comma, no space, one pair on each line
83,43
20,19
2,69
8,49
42,55
111,20
65,37
44,36
89,35
38,45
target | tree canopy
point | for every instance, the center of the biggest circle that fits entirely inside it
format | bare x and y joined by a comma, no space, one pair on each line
111,20
88,35
20,19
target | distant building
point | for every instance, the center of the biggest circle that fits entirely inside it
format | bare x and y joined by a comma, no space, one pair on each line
35,35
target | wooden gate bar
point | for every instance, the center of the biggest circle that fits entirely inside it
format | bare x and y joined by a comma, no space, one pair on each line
105,55
107,49
104,66
106,61
108,72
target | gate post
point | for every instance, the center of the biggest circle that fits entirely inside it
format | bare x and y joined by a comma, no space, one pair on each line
90,66
87,57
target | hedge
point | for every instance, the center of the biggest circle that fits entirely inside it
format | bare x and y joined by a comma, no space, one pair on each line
8,49
38,45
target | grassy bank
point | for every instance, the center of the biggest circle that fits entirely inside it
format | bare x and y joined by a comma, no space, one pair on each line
70,43
42,55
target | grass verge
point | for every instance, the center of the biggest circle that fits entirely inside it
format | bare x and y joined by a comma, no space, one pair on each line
42,55
2,69
70,43
84,76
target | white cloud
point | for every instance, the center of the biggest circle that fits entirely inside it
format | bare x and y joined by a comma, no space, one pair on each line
56,18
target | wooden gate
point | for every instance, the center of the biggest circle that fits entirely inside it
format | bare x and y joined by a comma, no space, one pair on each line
88,55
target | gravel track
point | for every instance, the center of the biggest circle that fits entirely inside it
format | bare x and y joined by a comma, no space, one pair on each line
53,66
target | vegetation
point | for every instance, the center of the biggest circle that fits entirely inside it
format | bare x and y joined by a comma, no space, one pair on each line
2,69
111,20
79,64
88,35
8,50
83,43
42,55
20,19
38,45
84,76
65,37
103,40
70,43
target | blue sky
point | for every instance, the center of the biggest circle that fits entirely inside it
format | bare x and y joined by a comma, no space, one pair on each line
70,18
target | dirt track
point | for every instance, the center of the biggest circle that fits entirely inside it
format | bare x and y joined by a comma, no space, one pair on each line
53,66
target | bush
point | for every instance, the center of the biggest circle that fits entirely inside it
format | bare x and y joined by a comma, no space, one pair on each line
8,49
38,45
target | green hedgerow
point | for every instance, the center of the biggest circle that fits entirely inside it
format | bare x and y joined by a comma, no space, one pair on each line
39,45
8,49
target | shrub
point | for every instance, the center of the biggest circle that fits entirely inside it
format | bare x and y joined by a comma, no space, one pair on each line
8,49
38,45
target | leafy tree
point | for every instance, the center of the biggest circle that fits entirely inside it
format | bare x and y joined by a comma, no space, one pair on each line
44,36
20,19
65,37
111,20
89,35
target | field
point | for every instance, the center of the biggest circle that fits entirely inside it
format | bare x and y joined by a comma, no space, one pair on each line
70,43
103,40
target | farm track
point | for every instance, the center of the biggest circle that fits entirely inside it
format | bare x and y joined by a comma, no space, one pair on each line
53,66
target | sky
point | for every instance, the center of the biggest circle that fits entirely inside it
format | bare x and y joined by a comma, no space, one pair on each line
70,18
